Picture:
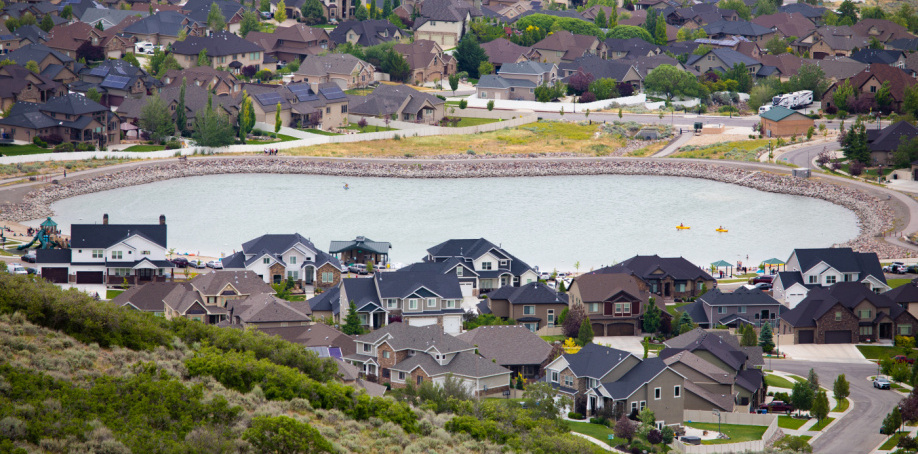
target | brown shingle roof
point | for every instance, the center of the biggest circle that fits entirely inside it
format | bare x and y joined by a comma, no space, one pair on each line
789,24
510,345
600,287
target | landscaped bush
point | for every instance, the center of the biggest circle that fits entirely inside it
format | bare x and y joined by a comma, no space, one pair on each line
41,143
264,74
574,415
52,139
83,146
65,147
173,144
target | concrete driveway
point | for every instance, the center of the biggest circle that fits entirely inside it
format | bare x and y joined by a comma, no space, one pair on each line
827,353
630,344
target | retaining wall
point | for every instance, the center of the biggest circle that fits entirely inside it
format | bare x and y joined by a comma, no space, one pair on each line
749,419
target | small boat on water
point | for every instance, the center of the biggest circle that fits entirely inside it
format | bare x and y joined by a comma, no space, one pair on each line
682,227
721,229
346,187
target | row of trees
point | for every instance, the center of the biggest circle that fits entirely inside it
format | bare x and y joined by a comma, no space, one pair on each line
212,126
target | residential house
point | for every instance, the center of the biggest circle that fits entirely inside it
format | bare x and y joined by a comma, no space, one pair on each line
889,57
813,13
315,335
517,81
361,250
279,257
444,21
698,15
784,122
68,39
232,12
644,65
221,82
296,42
722,60
905,296
399,354
73,117
742,306
847,312
882,30
884,142
575,374
666,277
840,68
23,36
108,254
346,70
223,50
906,44
485,266
53,64
109,17
427,61
19,84
564,46
164,28
622,71
751,31
322,105
786,24
869,81
534,305
807,269
651,384
501,52
513,347
400,102
196,99
830,41
614,302
631,48
366,33
116,80
722,349
707,386
786,64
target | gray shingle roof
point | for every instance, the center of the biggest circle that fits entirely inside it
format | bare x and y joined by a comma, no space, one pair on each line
371,32
402,336
633,379
378,247
148,297
842,259
526,67
595,361
101,236
509,345
494,81
166,23
740,27
531,293
740,297
465,364
220,44
644,265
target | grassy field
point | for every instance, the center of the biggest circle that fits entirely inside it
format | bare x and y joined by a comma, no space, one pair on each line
897,282
891,443
741,150
777,382
649,150
787,422
362,92
282,137
544,137
675,307
822,424
597,431
369,128
16,150
737,433
881,351
466,121
552,339
320,132
145,148
841,406
109,294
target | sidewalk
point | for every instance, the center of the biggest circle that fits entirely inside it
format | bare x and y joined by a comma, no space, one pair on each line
671,148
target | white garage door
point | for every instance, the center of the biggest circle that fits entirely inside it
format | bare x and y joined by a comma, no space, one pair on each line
452,325
422,321
467,288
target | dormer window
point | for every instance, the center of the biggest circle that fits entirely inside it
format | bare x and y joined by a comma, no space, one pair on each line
814,280
504,263
266,260
293,260
459,271
486,265
367,348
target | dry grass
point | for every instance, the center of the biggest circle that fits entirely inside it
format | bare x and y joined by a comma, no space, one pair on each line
543,137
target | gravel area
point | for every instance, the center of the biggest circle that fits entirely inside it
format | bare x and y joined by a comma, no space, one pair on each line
874,216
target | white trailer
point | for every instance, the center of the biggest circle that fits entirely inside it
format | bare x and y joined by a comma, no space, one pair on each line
794,100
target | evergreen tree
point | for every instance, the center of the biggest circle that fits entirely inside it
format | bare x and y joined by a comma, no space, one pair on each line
181,117
650,22
813,380
277,118
387,8
652,317
613,17
766,340
660,34
352,324
854,143
280,15
685,323
361,13
585,336
469,55
47,23
215,19
749,338
600,20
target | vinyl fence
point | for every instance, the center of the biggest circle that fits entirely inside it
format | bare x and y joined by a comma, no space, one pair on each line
750,419
568,107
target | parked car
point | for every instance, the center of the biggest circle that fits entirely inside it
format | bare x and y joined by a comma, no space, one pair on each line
197,264
903,359
215,264
180,262
32,270
763,286
763,278
895,268
16,268
881,383
357,268
777,406
913,269
267,15
29,257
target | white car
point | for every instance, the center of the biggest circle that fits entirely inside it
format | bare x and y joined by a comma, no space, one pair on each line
198,264
15,268
215,264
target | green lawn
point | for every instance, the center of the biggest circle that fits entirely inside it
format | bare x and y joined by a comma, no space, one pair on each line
800,379
297,298
806,437
362,92
109,294
282,137
841,406
551,339
369,128
16,150
778,382
145,148
737,433
869,171
880,351
597,431
897,282
787,422
675,307
320,132
891,443
821,424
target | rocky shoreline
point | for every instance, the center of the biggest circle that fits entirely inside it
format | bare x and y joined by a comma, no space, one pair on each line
874,216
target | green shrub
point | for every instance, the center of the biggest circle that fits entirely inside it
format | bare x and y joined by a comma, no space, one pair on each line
574,415
41,143
65,147
173,144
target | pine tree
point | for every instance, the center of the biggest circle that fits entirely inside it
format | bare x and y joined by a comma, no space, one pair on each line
613,17
277,118
215,19
386,8
181,117
361,13
841,388
652,317
352,324
585,336
601,19
766,340
659,34
749,339
813,380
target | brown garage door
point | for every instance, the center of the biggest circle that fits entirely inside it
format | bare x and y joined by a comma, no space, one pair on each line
838,337
599,328
805,337
621,329
55,275
90,277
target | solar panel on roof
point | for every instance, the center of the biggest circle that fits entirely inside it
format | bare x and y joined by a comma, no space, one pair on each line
302,92
115,82
100,71
332,93
268,98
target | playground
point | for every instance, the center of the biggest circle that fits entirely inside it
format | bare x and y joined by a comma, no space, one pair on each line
47,236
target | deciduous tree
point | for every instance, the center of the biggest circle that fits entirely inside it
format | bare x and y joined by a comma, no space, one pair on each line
802,397
820,406
624,428
250,23
669,81
469,56
246,116
181,117
277,118
280,15
215,19
156,119
312,12
749,338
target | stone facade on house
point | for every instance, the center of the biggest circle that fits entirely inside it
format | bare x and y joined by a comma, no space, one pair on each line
829,322
327,268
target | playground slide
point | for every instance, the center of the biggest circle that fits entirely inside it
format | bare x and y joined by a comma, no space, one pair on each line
29,244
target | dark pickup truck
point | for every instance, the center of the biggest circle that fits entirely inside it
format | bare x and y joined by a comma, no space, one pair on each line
777,407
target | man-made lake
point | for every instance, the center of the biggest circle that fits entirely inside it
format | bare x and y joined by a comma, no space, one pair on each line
551,222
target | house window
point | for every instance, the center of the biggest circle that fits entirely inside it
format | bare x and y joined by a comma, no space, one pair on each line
385,354
431,302
680,286
328,110
117,255
293,275
905,330
830,279
344,108
392,303
450,304
622,308
643,405
677,391
459,271
292,260
866,330
594,307
569,381
873,89
420,380
657,393
838,316
634,406
594,383
503,263
367,348
813,279
401,376
741,310
328,277
98,253
721,310
551,317
144,252
266,260
554,376
413,304
532,327
528,310
864,313
486,265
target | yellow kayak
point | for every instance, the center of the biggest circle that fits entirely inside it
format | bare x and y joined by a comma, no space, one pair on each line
682,227
722,230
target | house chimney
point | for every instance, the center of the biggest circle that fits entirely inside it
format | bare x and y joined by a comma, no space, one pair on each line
162,219
105,219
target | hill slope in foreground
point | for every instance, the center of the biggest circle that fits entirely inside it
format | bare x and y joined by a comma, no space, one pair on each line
81,376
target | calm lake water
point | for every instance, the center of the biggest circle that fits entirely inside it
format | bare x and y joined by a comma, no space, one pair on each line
551,222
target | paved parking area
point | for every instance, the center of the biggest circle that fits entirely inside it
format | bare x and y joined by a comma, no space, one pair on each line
832,353
630,344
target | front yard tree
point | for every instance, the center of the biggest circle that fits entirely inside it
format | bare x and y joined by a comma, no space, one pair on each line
454,82
669,81
854,143
277,118
181,117
843,94
469,56
575,316
543,399
812,378
361,13
655,437
909,408
802,397
892,422
215,19
585,335
246,116
312,11
766,339
841,388
820,406
490,105
280,15
249,23
624,428
352,325
155,119
749,339
652,317
685,323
